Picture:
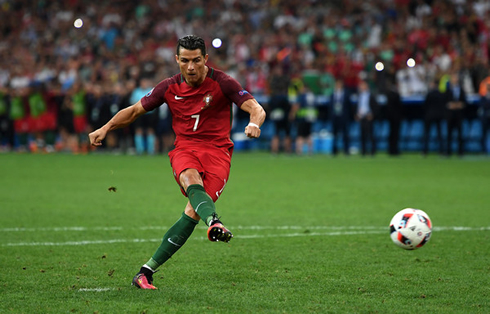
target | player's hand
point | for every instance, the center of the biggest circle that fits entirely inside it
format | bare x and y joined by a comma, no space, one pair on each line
252,131
96,137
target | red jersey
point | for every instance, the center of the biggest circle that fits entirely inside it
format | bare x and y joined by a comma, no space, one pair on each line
199,114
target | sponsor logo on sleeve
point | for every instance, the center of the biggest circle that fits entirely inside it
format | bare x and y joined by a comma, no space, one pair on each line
242,92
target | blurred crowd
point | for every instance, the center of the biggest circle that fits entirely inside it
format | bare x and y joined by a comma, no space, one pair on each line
66,66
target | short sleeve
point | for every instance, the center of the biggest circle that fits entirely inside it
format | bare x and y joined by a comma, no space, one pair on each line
156,97
233,90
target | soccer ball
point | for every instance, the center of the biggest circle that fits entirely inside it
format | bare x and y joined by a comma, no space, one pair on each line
410,228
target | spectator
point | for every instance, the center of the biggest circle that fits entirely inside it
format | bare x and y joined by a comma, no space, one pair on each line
78,99
6,127
280,107
145,134
455,105
43,118
67,141
97,104
341,115
366,113
125,135
305,113
434,109
19,115
115,101
484,112
394,114
164,130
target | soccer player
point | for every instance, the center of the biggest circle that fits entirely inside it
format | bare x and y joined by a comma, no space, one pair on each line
200,99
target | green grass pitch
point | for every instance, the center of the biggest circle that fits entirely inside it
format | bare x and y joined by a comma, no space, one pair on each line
311,236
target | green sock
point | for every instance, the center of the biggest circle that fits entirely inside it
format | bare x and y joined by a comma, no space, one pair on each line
201,202
173,240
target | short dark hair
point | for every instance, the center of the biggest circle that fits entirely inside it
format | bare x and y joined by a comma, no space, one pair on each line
191,42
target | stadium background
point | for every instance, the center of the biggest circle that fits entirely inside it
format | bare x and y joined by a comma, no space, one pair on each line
311,234
63,63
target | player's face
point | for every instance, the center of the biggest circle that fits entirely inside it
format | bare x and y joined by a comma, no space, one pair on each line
192,66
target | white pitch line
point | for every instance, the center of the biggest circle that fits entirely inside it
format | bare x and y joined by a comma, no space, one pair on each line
460,228
95,289
305,234
76,243
239,227
59,229
78,228
253,236
249,236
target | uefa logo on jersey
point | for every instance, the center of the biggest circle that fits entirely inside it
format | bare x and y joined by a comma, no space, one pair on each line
207,101
242,92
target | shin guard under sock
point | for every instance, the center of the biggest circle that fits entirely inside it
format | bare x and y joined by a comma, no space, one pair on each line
201,202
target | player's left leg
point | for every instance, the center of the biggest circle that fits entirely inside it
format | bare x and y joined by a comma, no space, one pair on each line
172,241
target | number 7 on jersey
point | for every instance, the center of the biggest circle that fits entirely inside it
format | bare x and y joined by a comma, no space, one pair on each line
195,116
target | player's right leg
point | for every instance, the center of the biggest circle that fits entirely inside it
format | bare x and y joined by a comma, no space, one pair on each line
218,232
188,167
203,204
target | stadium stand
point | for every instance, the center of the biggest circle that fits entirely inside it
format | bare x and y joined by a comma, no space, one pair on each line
67,65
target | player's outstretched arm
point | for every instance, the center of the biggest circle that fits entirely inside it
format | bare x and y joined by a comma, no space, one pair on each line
121,119
257,117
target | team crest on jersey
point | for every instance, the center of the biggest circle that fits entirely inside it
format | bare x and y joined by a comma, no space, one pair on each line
207,101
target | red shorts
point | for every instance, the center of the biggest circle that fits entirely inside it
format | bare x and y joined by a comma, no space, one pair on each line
213,163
